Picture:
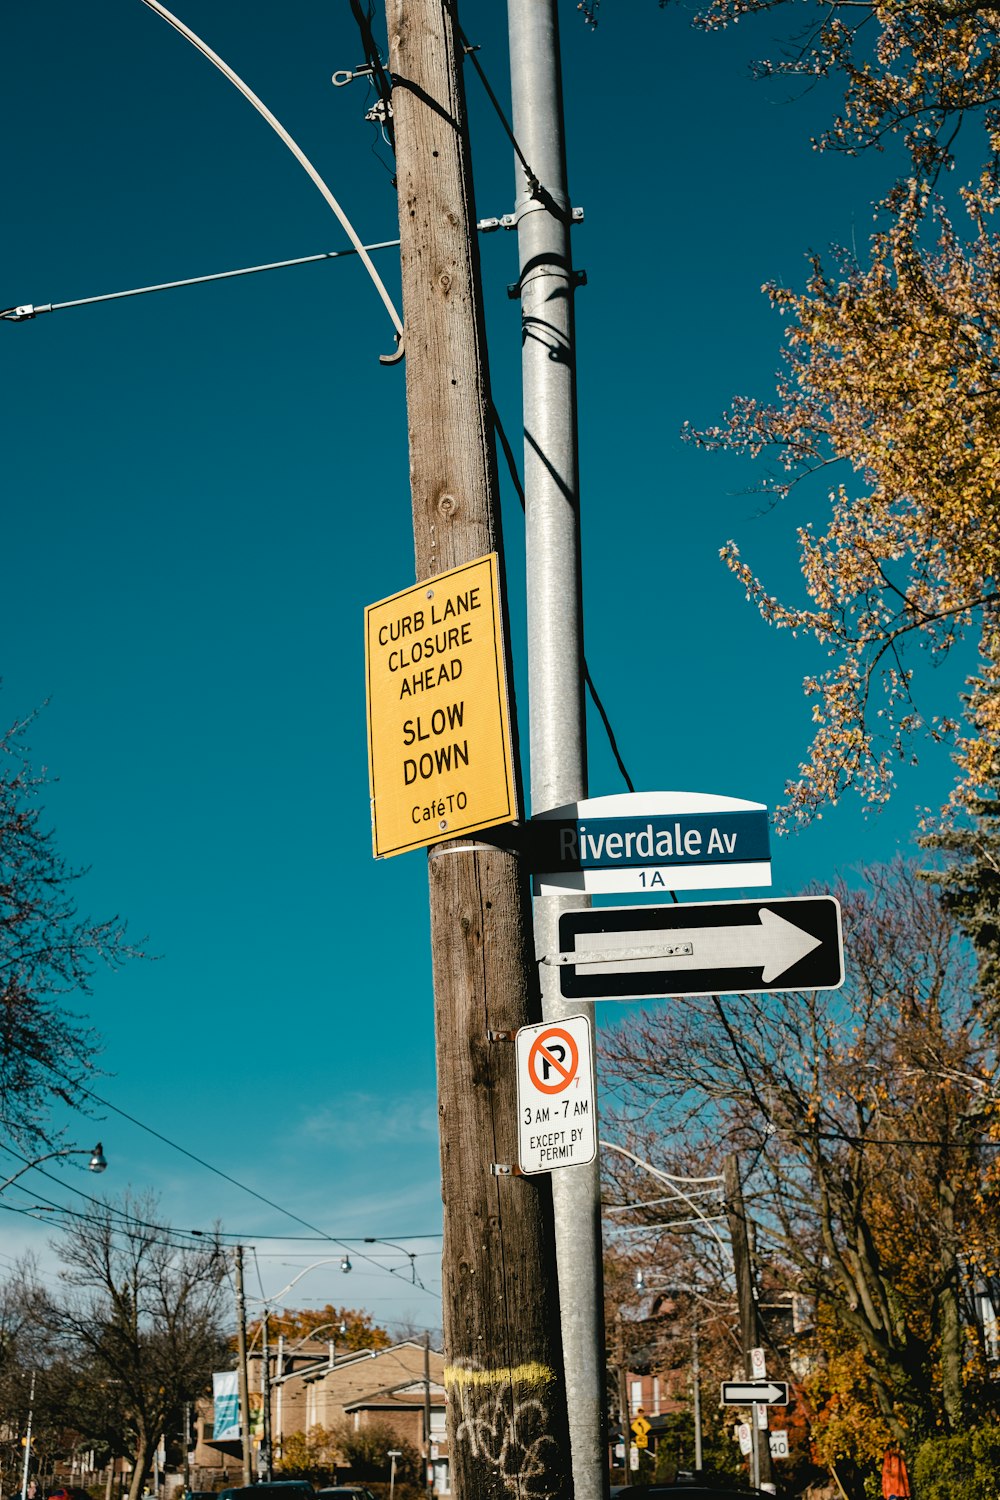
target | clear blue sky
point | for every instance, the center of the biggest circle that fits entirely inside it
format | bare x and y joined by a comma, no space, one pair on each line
205,487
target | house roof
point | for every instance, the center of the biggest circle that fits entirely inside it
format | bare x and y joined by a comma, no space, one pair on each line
379,1371
399,1396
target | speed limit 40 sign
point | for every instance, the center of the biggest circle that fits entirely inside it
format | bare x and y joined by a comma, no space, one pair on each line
557,1122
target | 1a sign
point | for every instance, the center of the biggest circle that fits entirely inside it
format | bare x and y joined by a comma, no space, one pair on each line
439,743
556,1114
708,948
650,841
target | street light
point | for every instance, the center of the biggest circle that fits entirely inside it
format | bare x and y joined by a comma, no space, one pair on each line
672,1182
641,1285
97,1162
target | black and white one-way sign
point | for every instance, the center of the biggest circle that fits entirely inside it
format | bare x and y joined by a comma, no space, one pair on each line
708,948
755,1393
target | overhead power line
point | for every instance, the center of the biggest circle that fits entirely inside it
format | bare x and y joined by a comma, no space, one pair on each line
348,1244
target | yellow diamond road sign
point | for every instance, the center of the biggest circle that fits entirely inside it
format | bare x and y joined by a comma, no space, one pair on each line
439,745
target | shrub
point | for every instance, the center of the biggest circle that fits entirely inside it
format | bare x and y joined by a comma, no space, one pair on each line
962,1467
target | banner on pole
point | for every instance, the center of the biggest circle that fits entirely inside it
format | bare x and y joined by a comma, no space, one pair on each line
226,1403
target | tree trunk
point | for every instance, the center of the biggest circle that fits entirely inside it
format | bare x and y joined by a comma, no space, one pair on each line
949,1312
142,1462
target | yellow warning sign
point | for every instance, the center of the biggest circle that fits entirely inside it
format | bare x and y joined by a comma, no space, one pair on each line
439,744
640,1429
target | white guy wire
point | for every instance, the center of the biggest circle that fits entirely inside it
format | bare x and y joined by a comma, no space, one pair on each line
169,286
293,147
623,1208
663,1224
665,1177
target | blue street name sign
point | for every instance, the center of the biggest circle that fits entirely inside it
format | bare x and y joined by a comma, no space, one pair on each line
651,841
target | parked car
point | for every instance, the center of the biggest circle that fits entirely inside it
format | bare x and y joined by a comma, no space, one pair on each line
271,1489
345,1492
67,1492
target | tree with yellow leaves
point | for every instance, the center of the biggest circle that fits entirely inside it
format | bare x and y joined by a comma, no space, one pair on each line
348,1327
891,389
893,373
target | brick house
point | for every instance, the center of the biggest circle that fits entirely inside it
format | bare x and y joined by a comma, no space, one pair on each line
316,1386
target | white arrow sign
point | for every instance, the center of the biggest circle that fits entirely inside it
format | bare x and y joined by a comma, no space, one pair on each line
700,948
772,944
749,1392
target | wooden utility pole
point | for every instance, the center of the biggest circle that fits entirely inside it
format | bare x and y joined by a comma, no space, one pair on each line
624,1405
747,1299
501,1318
428,1466
243,1384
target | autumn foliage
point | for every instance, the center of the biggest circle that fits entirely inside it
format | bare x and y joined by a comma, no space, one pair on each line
891,392
865,1124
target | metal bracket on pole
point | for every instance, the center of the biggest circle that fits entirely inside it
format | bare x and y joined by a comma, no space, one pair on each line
618,955
396,355
501,1169
510,221
501,1036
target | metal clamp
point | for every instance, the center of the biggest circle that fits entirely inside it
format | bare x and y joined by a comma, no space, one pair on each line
347,75
515,288
510,221
501,1169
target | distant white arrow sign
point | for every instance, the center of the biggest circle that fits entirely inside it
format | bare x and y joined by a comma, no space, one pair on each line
747,1393
773,944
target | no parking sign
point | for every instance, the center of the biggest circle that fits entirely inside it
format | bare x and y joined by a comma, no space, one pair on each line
556,1114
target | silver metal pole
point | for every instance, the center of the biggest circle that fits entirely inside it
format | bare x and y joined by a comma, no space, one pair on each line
696,1381
754,1449
555,650
27,1439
